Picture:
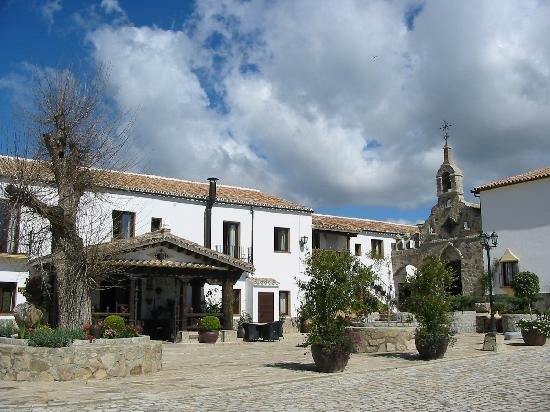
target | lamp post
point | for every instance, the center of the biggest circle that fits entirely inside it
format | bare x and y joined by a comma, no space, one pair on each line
488,242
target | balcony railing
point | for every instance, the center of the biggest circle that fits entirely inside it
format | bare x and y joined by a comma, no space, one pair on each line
238,252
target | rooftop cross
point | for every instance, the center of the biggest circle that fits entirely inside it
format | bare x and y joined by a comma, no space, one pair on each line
445,129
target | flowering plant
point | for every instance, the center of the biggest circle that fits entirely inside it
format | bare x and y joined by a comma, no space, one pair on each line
542,324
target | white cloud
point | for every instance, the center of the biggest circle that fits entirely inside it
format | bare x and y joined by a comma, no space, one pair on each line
318,118
111,6
48,10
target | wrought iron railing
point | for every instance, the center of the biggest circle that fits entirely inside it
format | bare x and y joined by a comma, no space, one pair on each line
238,252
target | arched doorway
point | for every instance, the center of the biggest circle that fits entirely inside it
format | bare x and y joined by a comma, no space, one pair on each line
399,279
453,259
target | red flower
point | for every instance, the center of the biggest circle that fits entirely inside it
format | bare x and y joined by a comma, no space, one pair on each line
90,337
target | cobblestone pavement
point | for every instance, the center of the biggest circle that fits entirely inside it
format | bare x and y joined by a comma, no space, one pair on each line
281,376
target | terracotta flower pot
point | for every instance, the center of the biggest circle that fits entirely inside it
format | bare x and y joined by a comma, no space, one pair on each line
533,337
329,360
432,351
208,336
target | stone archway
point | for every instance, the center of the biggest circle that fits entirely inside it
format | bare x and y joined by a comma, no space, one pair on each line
453,259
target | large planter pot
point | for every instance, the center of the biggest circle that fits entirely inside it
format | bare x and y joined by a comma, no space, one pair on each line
432,351
533,337
208,336
329,360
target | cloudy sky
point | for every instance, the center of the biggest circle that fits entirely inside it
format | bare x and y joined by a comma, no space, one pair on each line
334,104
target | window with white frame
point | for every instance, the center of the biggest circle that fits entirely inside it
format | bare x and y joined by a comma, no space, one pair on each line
284,302
123,224
377,248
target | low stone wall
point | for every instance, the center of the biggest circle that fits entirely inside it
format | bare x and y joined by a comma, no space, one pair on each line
509,321
382,339
105,358
464,322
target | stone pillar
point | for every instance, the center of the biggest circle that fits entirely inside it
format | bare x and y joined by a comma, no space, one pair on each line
227,303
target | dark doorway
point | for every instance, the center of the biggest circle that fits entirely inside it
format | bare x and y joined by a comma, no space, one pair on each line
265,307
455,268
114,297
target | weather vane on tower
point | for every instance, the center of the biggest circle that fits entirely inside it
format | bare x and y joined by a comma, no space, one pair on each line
445,129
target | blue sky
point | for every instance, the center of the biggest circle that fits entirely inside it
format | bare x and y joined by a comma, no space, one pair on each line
333,104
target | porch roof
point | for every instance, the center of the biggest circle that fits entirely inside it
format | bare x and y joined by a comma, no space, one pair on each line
213,260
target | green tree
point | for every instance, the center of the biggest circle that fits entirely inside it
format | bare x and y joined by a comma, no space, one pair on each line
430,299
338,284
526,287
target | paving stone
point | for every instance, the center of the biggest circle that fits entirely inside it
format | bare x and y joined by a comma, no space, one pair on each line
281,376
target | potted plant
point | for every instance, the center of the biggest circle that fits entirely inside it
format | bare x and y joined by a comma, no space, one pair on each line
535,332
430,302
336,285
244,318
209,329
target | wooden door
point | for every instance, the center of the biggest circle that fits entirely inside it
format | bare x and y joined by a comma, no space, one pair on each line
266,307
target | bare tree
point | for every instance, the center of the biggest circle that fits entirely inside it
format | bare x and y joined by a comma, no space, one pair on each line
71,137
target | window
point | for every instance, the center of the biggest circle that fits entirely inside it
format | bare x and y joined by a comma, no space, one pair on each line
377,248
7,296
357,249
236,301
231,239
448,203
281,239
284,303
466,225
9,228
123,224
156,224
507,272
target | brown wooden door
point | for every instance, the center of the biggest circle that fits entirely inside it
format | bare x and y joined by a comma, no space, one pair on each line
265,306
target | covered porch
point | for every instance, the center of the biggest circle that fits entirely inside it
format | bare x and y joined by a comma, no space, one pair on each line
158,279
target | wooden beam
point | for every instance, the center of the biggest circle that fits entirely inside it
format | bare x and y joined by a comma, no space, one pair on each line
227,303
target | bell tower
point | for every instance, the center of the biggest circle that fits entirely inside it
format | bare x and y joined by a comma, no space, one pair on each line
449,178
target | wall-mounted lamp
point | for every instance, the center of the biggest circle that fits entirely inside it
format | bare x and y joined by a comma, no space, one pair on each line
303,241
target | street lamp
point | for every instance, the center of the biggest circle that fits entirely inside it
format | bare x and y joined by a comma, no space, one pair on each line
488,242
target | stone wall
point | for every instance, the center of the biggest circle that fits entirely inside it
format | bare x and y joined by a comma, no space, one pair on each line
382,339
464,322
105,358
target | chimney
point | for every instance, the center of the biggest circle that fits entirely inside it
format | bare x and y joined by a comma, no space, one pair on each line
208,212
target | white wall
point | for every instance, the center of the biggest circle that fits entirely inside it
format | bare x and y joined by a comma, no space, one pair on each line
520,214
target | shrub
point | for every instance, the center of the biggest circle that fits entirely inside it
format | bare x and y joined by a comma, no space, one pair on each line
430,300
464,302
209,323
7,329
54,338
338,285
114,322
526,287
244,318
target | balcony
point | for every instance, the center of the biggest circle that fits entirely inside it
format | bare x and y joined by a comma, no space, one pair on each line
238,252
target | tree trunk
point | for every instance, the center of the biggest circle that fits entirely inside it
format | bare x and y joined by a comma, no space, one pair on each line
74,301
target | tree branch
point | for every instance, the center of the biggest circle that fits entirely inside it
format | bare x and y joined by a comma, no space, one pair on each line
23,197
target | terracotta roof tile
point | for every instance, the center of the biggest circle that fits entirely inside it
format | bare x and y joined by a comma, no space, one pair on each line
354,225
537,174
164,186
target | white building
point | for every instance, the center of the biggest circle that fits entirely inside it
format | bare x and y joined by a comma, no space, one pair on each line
517,208
178,239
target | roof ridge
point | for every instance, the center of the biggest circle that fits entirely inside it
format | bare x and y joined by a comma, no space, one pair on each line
527,176
365,219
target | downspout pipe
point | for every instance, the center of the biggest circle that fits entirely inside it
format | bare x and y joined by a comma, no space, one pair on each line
208,212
